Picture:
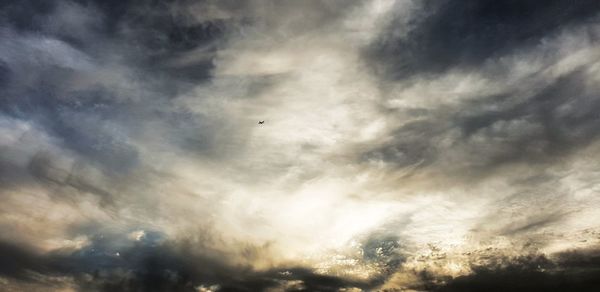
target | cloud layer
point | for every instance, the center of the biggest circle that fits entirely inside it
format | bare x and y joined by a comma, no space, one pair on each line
407,145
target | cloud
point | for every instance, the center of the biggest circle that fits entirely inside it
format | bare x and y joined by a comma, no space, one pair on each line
152,264
572,271
406,145
447,34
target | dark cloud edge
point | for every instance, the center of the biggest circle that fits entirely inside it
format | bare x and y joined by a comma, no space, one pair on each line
153,265
156,265
574,270
467,33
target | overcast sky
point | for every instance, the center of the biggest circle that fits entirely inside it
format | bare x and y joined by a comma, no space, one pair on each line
409,145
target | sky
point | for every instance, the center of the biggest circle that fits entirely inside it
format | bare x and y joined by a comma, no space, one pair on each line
407,145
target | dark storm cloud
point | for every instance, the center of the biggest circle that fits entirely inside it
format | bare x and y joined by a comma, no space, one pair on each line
116,263
452,33
570,271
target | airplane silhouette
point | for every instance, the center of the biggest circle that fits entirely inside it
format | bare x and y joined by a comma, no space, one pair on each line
261,122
